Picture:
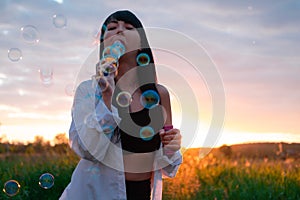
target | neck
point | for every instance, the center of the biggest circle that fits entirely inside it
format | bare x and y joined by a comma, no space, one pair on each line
126,62
129,58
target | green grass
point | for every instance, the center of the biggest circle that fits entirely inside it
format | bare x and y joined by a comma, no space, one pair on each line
27,170
253,182
212,177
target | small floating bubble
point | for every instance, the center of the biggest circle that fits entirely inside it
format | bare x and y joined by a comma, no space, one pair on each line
108,65
143,59
147,133
118,47
124,99
69,89
46,75
106,51
59,21
11,188
149,99
46,180
15,54
30,34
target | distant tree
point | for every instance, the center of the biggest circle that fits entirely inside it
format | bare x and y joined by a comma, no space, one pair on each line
38,144
29,149
61,143
61,138
226,150
2,145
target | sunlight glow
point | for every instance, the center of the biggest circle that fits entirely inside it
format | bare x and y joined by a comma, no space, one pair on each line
59,1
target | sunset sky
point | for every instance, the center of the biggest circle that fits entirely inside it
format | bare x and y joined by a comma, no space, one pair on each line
253,45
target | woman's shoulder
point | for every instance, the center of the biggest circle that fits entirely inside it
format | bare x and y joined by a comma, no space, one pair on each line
163,91
86,84
165,102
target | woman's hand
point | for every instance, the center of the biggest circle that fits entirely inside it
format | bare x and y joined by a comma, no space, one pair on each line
171,140
107,86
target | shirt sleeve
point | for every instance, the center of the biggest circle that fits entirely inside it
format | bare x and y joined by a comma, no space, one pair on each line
168,165
174,162
92,124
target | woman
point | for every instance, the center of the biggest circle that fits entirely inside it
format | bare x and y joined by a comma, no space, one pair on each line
120,121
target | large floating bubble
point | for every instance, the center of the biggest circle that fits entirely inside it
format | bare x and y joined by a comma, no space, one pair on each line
46,180
11,188
30,34
14,54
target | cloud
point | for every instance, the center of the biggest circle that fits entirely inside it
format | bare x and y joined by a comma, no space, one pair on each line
253,43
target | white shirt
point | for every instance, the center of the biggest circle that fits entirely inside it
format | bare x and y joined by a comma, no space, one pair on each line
100,171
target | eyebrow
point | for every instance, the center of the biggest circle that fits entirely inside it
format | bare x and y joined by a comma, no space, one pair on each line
113,21
116,21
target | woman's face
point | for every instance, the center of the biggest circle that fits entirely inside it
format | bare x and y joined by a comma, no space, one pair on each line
124,32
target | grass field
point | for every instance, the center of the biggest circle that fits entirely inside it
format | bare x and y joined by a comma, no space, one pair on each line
213,177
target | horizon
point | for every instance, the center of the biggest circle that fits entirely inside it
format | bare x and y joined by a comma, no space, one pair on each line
5,139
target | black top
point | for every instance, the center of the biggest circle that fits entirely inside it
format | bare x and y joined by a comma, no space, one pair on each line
143,140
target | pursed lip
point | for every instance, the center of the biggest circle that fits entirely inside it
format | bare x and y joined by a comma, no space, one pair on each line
118,38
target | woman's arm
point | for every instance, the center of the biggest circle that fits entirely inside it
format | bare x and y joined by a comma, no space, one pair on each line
171,139
90,117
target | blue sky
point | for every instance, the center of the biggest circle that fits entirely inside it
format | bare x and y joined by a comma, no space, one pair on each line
254,45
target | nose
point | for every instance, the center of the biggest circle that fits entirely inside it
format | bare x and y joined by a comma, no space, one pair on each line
120,28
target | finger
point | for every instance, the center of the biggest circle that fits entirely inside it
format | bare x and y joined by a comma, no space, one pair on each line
175,139
173,131
168,137
172,147
161,133
110,78
170,142
103,84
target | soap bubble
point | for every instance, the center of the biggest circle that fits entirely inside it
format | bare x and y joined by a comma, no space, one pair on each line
149,99
115,52
46,180
103,84
147,133
106,51
69,89
14,54
107,129
46,75
59,21
118,47
95,170
11,188
124,99
30,34
143,59
107,65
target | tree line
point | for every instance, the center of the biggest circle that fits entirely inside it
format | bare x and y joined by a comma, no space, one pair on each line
38,146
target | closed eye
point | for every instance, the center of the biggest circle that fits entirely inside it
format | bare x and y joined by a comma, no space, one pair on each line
112,25
129,27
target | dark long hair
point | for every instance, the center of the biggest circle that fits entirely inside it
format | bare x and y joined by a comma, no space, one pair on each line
129,17
147,72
